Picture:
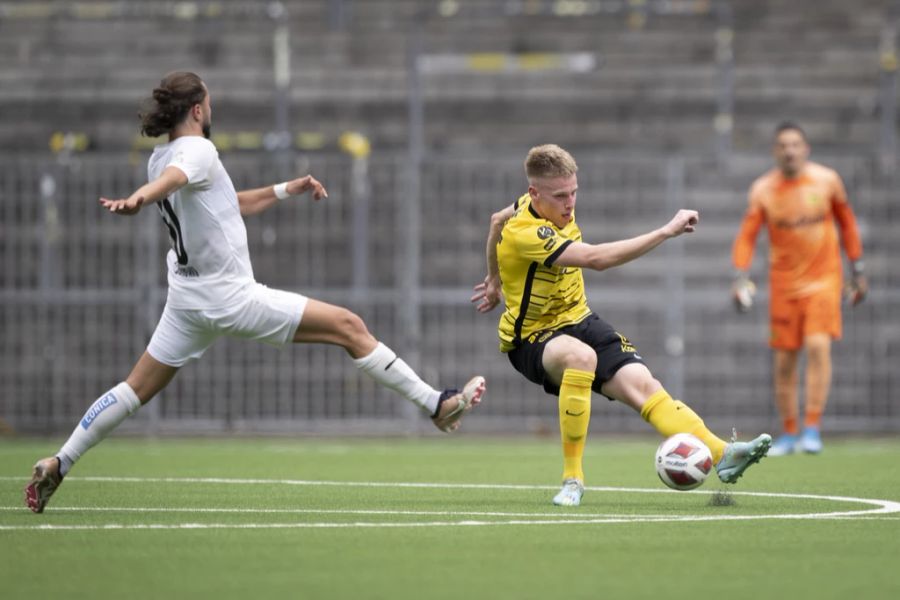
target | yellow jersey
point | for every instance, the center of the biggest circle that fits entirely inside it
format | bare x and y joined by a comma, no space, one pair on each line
539,296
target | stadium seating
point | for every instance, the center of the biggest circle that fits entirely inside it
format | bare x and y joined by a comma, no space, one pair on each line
655,86
642,124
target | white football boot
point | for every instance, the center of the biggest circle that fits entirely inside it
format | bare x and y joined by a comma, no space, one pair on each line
570,494
45,478
453,404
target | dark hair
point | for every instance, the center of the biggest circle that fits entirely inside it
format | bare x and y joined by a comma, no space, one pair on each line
171,102
790,126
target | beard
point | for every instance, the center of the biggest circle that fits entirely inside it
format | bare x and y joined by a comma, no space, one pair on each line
207,129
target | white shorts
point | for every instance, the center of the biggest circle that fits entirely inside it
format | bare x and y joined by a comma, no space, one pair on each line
265,314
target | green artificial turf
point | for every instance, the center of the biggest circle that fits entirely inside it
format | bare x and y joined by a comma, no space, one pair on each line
323,518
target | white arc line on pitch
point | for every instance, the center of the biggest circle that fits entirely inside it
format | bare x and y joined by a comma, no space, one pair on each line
382,525
882,507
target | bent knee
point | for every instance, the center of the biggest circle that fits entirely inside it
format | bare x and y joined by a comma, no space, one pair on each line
648,387
350,325
582,360
354,333
574,355
351,322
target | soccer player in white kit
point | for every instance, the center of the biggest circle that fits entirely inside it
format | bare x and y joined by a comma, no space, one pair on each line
212,291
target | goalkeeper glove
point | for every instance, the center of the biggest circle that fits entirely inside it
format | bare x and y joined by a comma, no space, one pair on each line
855,291
742,292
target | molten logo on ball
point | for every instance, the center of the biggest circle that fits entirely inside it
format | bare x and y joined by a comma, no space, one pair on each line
683,462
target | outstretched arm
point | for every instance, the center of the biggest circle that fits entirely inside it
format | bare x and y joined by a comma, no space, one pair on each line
257,200
488,293
171,180
612,254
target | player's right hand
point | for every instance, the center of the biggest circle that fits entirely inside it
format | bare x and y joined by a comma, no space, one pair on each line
855,291
742,292
123,206
487,295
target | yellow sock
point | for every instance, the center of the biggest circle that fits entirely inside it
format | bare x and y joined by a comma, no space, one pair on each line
574,416
670,416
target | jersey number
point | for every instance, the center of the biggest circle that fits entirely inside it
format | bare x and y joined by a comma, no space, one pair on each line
174,227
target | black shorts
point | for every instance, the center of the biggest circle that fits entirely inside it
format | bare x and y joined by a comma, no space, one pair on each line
614,351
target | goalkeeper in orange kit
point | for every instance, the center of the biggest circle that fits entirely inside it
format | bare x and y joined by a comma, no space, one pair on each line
800,201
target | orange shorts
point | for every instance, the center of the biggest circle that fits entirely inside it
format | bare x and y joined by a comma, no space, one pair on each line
792,319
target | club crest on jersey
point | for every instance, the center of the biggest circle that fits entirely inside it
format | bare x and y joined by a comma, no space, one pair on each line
98,407
545,232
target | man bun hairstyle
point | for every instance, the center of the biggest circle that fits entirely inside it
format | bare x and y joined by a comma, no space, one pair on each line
549,161
177,93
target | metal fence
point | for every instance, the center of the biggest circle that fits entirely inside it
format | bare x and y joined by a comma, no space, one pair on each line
81,291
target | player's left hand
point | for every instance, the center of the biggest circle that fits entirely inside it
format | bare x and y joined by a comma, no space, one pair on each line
305,184
123,206
487,295
856,290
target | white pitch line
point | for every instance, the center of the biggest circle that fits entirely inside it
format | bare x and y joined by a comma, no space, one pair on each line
866,517
388,525
331,511
322,525
467,486
882,507
426,485
423,513
307,482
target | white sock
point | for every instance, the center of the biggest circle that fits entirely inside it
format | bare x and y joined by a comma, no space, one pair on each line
389,370
101,418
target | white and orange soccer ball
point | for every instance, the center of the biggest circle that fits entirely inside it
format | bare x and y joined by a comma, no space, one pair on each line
683,462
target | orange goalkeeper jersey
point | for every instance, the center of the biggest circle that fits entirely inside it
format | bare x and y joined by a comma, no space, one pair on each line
800,215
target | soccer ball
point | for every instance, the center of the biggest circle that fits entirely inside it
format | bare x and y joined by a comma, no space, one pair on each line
683,462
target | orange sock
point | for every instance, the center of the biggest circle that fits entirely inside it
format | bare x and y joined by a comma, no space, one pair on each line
789,424
813,419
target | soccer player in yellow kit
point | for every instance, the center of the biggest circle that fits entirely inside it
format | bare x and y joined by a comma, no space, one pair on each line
535,255
800,202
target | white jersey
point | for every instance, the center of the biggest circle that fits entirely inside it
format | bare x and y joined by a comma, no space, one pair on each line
209,263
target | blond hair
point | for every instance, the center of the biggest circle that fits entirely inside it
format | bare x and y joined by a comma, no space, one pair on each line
549,160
